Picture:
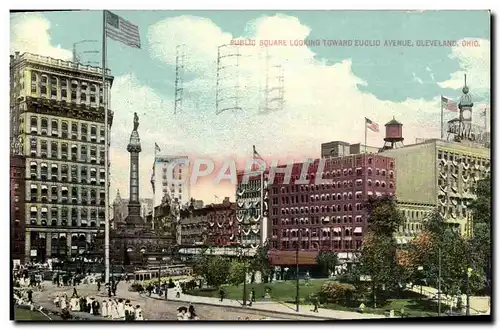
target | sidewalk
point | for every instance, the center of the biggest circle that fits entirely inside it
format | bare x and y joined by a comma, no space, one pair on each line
273,306
478,305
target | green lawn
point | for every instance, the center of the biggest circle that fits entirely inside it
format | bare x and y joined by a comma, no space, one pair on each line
413,304
280,291
21,314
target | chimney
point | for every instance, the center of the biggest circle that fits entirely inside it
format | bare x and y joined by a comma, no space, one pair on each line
226,200
17,54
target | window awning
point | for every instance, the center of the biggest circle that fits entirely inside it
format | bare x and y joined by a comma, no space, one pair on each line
358,230
43,164
61,235
33,209
64,188
44,187
92,169
44,210
33,163
34,186
337,229
54,165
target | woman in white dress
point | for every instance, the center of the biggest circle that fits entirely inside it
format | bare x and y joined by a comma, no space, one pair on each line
74,304
138,313
56,301
63,302
104,309
114,311
121,309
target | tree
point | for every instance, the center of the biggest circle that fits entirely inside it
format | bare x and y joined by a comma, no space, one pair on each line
327,260
261,262
378,257
236,272
216,271
480,242
439,240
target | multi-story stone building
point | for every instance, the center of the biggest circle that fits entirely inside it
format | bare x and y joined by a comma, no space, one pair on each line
414,214
341,149
17,209
58,115
120,208
179,190
252,208
441,174
314,217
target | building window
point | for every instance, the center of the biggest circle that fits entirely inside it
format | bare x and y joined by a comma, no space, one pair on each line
64,129
83,153
74,131
55,127
33,147
53,87
64,172
83,174
53,150
34,125
43,148
84,132
64,150
45,126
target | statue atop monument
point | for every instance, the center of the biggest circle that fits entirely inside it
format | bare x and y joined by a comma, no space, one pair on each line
136,121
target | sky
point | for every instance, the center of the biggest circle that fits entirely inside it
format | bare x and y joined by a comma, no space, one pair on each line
328,90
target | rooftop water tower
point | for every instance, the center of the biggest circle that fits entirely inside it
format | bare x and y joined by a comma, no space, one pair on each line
393,135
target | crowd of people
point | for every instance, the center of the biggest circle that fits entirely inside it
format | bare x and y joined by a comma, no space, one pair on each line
114,309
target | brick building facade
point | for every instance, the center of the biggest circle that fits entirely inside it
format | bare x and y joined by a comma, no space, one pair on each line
213,224
325,216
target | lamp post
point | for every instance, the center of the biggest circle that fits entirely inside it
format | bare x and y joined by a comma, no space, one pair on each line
297,274
420,270
467,296
241,254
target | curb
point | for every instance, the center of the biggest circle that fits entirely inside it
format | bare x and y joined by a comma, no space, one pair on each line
246,308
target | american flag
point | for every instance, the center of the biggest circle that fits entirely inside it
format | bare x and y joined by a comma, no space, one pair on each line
484,108
373,126
157,148
448,104
256,155
122,30
153,178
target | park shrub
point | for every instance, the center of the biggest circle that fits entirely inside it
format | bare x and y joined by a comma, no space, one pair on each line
136,287
340,293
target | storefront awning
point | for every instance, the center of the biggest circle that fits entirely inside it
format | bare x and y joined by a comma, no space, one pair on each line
358,230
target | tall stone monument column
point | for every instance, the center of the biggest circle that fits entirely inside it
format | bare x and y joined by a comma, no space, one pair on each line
134,205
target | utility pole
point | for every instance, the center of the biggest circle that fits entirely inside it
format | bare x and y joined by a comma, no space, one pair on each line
439,281
297,273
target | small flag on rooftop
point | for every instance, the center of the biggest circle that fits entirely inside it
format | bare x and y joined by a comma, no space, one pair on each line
448,104
122,30
373,126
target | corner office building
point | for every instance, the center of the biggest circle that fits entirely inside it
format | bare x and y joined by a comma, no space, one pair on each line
441,174
57,119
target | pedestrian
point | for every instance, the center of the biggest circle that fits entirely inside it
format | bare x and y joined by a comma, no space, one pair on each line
75,294
221,294
104,309
316,304
250,298
253,295
30,296
138,313
98,286
192,313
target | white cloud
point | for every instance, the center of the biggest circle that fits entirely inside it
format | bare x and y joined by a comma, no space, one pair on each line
475,62
29,32
417,79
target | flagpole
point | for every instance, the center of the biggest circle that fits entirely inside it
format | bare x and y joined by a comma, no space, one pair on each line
442,123
154,190
366,134
106,149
